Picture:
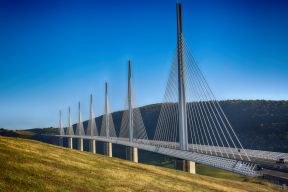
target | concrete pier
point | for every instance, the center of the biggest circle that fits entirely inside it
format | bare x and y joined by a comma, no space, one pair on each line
134,154
189,166
93,146
70,142
108,149
80,144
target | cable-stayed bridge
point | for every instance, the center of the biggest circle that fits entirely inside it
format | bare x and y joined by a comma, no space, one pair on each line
191,125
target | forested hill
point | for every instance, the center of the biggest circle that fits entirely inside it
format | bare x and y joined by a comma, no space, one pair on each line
259,124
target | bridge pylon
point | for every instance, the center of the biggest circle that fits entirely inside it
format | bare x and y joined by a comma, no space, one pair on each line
188,166
130,107
80,129
183,132
133,151
108,145
92,128
106,110
61,129
70,130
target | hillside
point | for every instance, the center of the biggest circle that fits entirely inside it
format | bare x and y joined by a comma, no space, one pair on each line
35,166
260,124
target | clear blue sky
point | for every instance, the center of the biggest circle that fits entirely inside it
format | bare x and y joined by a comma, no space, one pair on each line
55,53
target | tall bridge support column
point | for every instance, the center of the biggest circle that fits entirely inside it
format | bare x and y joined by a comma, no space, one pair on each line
132,154
61,130
183,131
80,144
189,166
108,149
93,146
70,142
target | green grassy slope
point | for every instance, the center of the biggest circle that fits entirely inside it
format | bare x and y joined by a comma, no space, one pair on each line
28,165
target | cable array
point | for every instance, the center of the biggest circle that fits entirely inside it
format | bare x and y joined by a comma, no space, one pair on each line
107,126
92,127
69,130
166,132
139,130
79,127
209,130
61,129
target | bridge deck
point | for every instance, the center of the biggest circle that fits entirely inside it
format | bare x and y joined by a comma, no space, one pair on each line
235,165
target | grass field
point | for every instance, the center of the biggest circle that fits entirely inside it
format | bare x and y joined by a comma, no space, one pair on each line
28,165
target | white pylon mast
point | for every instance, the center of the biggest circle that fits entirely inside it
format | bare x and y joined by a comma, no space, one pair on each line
70,130
130,107
106,110
61,130
183,132
79,113
91,116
